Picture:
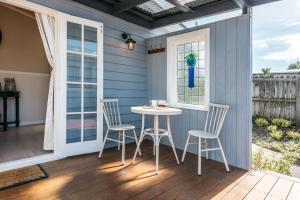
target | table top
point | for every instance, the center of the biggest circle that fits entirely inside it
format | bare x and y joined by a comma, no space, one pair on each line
148,110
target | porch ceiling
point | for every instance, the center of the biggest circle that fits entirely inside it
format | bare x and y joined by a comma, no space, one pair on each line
153,14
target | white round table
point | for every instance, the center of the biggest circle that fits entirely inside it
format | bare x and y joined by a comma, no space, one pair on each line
156,133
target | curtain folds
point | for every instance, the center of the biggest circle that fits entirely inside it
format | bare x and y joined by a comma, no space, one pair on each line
46,25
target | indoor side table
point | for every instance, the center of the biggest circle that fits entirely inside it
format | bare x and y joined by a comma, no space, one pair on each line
5,95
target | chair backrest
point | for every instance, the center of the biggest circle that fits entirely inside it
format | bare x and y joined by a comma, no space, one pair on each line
111,112
215,118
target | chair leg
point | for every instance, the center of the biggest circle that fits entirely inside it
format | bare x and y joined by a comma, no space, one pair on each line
174,150
119,140
223,155
199,157
123,148
185,148
136,141
206,146
141,138
138,146
153,147
171,139
100,153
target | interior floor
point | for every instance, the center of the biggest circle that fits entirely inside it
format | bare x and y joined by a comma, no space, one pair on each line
22,142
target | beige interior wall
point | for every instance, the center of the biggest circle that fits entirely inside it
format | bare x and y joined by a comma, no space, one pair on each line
21,48
22,57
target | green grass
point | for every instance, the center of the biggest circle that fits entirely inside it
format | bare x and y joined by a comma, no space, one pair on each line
262,162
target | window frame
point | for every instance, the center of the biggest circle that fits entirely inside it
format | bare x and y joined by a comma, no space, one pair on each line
172,42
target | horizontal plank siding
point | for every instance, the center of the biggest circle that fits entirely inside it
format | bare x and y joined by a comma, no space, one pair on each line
125,72
229,78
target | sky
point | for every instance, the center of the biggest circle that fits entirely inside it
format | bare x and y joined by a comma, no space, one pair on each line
276,35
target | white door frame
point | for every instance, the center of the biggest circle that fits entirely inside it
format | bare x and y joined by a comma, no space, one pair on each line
77,148
57,88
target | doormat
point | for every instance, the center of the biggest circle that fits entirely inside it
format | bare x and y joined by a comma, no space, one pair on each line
16,177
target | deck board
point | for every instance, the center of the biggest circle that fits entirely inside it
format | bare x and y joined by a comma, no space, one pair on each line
87,177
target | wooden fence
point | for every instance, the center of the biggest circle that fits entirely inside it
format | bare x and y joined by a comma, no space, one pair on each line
277,95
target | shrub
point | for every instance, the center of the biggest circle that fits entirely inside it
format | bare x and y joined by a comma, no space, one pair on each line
261,122
293,135
280,122
272,128
276,135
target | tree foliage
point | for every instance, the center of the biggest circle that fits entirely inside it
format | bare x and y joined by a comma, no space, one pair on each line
266,71
295,65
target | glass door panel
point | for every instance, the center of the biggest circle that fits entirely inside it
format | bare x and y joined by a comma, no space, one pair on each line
90,40
74,37
90,127
73,128
82,86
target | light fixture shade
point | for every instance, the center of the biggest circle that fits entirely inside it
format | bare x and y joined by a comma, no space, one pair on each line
130,42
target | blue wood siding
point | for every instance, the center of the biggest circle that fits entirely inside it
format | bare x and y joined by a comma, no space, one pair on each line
135,77
230,72
125,71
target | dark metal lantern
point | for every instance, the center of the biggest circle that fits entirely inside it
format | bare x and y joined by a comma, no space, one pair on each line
129,41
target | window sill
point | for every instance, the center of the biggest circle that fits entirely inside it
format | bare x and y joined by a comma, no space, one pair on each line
190,107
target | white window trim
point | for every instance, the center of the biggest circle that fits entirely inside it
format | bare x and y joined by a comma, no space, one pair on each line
172,42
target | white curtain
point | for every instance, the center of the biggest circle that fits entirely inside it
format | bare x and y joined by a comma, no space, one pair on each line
46,25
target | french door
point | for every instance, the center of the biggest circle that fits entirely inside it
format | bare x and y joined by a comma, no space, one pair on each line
81,81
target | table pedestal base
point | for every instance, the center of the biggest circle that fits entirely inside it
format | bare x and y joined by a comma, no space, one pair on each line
156,134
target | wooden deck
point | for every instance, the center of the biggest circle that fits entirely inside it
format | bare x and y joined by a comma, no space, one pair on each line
87,177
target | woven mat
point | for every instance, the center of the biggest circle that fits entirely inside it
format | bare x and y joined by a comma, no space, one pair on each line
21,176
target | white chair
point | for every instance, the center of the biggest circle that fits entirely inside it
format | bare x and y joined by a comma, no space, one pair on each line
214,121
112,117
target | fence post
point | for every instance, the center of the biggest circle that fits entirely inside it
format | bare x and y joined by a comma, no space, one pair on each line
297,113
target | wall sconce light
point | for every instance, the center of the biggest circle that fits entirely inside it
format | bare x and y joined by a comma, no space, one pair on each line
129,41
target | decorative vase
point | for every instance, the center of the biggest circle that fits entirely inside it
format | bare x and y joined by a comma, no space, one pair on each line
10,85
191,77
191,62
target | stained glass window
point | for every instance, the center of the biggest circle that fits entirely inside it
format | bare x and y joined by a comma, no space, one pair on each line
188,93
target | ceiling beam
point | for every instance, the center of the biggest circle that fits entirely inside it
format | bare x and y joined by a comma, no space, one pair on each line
180,6
128,16
241,3
126,5
200,11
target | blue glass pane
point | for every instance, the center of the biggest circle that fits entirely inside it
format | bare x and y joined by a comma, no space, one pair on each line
90,127
74,37
73,128
73,67
73,98
90,69
90,98
90,40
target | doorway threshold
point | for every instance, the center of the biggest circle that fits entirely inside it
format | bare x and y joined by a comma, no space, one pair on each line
28,162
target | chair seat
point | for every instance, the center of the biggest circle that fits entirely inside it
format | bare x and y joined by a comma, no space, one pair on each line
202,134
122,127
